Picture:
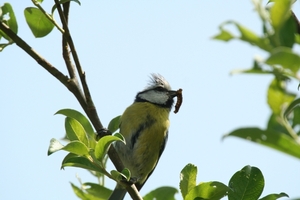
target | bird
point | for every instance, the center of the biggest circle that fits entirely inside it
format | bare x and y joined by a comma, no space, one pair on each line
144,126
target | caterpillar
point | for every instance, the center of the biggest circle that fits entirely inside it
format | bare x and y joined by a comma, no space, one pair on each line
179,100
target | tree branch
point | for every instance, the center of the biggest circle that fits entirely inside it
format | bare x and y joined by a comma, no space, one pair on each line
71,83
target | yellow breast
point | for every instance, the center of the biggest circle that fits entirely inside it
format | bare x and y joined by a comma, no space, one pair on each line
144,127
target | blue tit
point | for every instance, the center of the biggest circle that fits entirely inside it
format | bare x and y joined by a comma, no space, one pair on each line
144,125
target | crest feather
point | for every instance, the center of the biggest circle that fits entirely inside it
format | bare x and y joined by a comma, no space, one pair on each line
157,80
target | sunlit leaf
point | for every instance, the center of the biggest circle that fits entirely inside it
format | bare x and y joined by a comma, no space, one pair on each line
104,143
209,190
279,13
54,146
246,35
75,131
278,97
284,57
76,147
246,184
188,177
38,23
83,121
161,193
273,139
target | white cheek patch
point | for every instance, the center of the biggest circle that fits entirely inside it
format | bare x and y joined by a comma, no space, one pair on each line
155,97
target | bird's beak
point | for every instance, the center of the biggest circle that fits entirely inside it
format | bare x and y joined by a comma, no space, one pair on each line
173,93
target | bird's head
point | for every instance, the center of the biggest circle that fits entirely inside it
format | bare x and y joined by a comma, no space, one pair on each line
157,92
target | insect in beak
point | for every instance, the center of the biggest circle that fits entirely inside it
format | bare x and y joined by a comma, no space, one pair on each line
177,94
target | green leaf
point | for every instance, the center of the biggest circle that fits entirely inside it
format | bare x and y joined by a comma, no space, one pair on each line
7,16
280,12
119,176
2,46
295,109
77,147
246,35
83,121
273,139
96,190
54,146
284,57
75,131
126,174
7,11
278,96
188,177
210,190
287,32
296,117
246,184
224,35
161,193
104,143
62,2
114,124
291,107
275,125
81,162
274,196
79,193
256,69
38,23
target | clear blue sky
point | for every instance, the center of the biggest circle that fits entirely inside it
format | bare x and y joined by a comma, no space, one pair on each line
120,43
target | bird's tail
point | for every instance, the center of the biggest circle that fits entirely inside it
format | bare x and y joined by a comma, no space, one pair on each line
118,193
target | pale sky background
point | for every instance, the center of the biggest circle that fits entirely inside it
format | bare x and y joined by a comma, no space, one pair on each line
120,43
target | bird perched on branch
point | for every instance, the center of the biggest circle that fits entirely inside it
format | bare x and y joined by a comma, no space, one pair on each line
144,125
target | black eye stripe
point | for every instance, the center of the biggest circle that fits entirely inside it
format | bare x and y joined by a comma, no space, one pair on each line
161,89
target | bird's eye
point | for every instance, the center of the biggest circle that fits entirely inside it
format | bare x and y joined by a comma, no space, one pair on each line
160,89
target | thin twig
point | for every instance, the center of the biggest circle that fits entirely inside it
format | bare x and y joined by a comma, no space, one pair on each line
69,39
90,109
65,47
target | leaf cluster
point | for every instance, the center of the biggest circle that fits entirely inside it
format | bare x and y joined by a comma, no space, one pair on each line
247,183
280,35
87,153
